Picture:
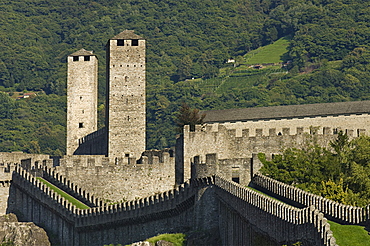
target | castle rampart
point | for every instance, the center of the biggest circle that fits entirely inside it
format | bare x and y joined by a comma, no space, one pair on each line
121,178
333,210
240,139
177,210
279,221
239,170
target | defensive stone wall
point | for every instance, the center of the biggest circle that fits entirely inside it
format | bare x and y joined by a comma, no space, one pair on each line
8,163
93,144
333,210
239,139
70,188
121,178
283,223
178,210
239,170
171,211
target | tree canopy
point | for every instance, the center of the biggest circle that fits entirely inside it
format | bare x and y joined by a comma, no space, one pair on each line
188,44
341,173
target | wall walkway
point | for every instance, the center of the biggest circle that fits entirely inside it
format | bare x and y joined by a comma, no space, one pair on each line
202,204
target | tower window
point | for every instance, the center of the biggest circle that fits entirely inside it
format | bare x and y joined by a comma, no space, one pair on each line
120,42
135,42
80,125
75,58
86,58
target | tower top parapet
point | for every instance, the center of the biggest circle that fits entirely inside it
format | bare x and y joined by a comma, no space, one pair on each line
82,52
127,34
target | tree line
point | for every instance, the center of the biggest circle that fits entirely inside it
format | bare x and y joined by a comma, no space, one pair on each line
328,56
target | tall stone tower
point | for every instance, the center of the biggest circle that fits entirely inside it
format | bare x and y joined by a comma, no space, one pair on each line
82,97
125,106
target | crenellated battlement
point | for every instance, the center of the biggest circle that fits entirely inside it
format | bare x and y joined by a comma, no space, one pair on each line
70,188
274,217
334,210
30,185
237,140
176,206
244,130
121,178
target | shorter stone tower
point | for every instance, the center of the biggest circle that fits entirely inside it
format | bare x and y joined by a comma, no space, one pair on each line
125,106
82,97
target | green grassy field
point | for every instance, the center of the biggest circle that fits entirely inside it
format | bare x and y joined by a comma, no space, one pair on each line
71,199
272,53
350,235
236,78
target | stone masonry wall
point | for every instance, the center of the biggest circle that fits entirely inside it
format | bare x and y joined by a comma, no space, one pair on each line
127,222
93,144
240,170
8,163
82,97
240,139
125,115
177,210
120,179
281,222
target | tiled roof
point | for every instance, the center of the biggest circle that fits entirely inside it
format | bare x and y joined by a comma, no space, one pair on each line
127,34
82,52
287,112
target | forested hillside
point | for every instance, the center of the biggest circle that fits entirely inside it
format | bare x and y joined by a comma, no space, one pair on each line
328,57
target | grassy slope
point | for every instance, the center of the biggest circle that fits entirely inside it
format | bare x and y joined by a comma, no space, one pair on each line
245,77
272,53
350,234
71,199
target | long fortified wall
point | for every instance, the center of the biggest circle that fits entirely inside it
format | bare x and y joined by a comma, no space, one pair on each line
336,211
121,178
232,140
283,223
127,222
191,206
8,163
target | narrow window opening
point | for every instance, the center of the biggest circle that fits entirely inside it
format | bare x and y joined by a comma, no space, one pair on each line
80,98
127,155
135,42
86,58
80,125
120,42
128,118
235,174
75,58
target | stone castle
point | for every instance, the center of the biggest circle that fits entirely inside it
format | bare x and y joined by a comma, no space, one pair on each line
133,193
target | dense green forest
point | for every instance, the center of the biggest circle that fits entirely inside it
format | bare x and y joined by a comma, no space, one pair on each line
328,58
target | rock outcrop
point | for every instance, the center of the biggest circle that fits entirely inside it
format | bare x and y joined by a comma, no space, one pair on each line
21,233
